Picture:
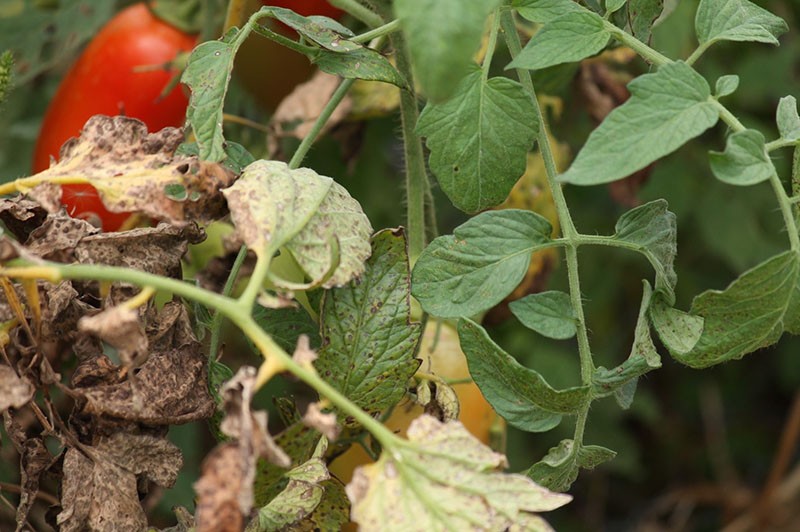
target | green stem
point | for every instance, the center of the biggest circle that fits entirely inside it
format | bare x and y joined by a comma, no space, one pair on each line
359,11
256,282
727,116
565,220
781,143
796,171
649,54
786,210
319,123
216,323
386,29
697,53
417,184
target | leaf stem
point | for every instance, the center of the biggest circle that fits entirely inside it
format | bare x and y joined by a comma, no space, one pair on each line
216,323
256,282
319,123
380,31
700,50
727,116
786,210
359,11
781,143
234,15
417,185
649,54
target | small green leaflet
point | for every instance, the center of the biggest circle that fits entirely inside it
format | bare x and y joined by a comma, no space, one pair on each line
653,230
480,264
787,118
312,216
517,393
479,140
544,10
750,314
736,20
442,37
443,479
726,85
548,313
368,338
745,160
643,358
665,110
559,469
568,38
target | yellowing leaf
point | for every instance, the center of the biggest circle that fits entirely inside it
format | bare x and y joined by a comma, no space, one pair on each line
444,479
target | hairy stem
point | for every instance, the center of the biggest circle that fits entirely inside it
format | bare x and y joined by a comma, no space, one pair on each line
386,29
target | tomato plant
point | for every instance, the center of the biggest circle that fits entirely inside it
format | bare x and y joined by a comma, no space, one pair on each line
120,72
307,7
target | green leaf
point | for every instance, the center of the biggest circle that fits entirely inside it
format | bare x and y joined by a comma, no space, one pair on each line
745,160
614,5
568,38
480,264
545,10
643,358
207,74
442,37
652,229
559,468
736,20
362,63
479,140
678,331
726,85
750,314
665,110
548,313
368,338
641,15
321,30
517,393
787,118
285,325
444,479
300,443
273,206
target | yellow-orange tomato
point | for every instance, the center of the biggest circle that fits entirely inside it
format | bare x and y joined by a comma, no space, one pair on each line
448,362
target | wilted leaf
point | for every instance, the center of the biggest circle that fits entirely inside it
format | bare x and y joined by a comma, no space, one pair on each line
120,328
479,139
445,480
16,391
559,469
274,206
323,422
519,394
34,460
368,338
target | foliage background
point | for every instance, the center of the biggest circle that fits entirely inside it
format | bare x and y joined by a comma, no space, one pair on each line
696,445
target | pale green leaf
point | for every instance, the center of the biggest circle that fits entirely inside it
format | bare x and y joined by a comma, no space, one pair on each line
559,468
568,38
652,230
678,331
479,140
614,5
368,338
726,85
442,37
545,10
750,314
310,215
643,358
787,118
745,160
736,20
442,480
480,264
666,109
519,394
548,313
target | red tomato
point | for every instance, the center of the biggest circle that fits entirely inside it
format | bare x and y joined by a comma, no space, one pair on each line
307,7
104,80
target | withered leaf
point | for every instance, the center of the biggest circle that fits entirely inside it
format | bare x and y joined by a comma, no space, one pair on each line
100,493
221,481
120,328
34,460
21,215
15,391
57,237
135,171
324,422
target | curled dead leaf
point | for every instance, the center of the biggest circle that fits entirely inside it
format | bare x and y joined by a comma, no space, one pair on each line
120,328
15,391
324,422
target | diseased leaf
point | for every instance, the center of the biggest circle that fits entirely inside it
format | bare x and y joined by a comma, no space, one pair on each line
480,264
750,314
361,63
285,325
323,31
621,381
652,229
517,393
736,20
559,468
745,160
314,217
666,109
444,479
569,38
17,391
548,313
368,338
479,140
677,330
442,37
787,118
726,85
545,10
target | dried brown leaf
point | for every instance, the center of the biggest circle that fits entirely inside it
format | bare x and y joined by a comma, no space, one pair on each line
57,237
34,460
21,215
15,391
221,481
120,328
324,422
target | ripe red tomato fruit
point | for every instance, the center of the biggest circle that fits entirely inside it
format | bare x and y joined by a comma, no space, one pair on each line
105,80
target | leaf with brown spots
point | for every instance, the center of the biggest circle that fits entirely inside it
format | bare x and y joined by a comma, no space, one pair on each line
15,391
